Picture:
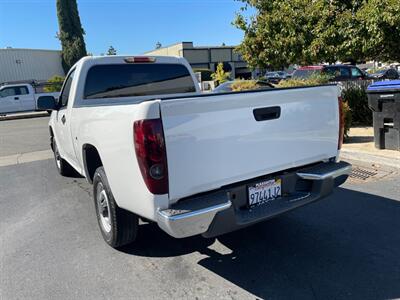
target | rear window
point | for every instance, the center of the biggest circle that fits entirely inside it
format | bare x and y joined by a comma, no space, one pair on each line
129,80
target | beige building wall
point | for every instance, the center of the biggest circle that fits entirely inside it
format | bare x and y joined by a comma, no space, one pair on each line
204,57
174,50
236,56
221,55
199,56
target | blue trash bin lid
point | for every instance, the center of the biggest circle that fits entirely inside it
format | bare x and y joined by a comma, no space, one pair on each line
384,85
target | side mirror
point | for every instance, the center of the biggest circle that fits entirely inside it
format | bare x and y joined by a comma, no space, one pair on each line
46,103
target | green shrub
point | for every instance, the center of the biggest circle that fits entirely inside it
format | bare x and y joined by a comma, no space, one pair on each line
220,76
357,99
54,84
315,79
244,85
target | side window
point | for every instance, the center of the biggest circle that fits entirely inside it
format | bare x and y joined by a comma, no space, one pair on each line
333,72
23,90
392,74
344,72
63,100
355,72
7,92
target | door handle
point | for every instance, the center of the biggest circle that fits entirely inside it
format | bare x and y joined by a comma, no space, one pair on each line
267,113
63,119
16,98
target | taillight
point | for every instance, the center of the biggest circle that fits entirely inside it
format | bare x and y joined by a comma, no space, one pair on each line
341,123
140,59
151,154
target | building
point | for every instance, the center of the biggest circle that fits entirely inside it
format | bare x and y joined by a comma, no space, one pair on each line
207,57
29,64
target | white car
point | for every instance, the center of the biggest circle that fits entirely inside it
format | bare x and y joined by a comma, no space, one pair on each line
19,98
154,147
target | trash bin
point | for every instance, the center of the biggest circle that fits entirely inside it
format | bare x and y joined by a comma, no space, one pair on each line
384,101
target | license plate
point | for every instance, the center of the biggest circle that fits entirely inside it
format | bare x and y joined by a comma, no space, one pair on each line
265,191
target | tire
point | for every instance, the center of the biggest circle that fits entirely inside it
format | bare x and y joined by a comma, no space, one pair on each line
63,167
118,226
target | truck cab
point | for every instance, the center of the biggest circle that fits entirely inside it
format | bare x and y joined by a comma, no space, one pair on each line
19,97
16,97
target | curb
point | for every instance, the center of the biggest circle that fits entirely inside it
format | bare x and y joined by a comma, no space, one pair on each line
24,116
370,158
21,158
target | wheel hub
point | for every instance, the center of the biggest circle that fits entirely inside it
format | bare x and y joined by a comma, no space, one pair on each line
58,158
103,207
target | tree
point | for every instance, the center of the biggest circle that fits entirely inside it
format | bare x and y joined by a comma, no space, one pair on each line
285,32
220,76
70,33
278,34
111,51
380,24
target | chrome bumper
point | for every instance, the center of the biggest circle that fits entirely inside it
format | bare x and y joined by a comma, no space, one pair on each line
189,223
195,215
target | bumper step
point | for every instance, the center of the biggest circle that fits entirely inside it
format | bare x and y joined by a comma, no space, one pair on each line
214,213
327,170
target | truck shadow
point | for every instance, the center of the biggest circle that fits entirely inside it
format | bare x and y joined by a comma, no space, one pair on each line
346,247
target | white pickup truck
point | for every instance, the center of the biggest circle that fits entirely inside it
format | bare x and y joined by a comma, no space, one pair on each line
19,97
155,148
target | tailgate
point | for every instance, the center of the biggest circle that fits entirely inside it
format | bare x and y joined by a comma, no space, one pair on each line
221,139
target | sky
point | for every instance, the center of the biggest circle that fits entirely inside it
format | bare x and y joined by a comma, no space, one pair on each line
130,26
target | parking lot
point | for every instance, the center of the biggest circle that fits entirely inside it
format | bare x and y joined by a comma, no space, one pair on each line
344,247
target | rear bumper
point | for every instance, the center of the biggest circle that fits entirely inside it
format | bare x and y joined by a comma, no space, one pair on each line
226,210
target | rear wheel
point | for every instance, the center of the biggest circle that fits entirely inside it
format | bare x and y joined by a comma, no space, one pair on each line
118,226
63,167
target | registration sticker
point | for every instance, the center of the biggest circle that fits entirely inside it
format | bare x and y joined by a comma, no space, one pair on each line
265,191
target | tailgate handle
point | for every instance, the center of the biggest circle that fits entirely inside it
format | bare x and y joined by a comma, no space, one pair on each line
267,113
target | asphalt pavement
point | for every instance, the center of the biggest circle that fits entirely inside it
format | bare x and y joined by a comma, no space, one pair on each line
343,247
24,135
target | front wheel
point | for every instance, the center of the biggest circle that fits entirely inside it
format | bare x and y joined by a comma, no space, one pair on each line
118,226
63,167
